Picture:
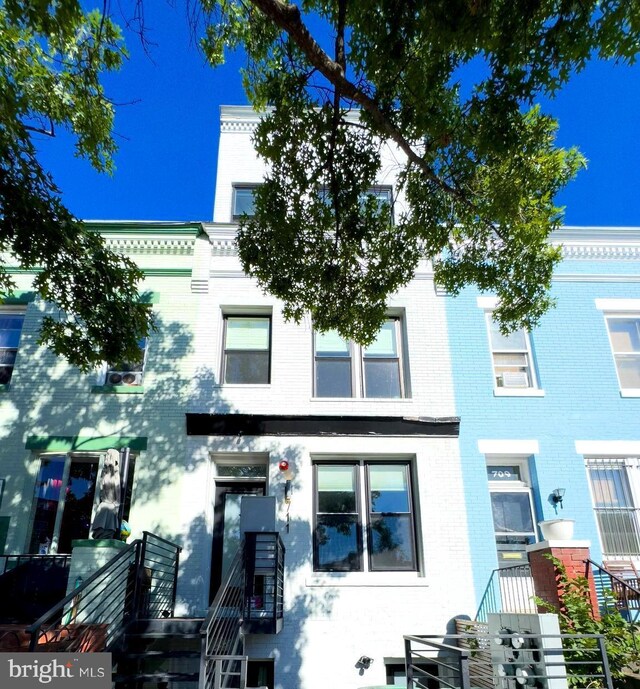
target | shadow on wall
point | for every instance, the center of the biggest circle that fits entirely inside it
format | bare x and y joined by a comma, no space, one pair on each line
50,399
301,603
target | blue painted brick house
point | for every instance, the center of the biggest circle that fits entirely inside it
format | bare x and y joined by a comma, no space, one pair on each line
557,408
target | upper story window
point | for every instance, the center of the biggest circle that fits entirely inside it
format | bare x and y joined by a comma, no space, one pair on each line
382,194
247,348
344,369
128,372
364,517
624,333
243,200
512,360
11,323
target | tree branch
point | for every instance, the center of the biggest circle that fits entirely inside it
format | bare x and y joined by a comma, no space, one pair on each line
288,18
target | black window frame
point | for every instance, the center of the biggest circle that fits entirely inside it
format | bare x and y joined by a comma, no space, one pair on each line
363,514
225,350
316,358
358,361
241,187
399,358
11,313
358,562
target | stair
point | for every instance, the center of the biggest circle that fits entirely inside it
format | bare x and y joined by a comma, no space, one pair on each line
159,654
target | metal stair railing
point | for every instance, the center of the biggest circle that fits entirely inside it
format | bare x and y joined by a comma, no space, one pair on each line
510,589
616,593
463,661
93,616
222,651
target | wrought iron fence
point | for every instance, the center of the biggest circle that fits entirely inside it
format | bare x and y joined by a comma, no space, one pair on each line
94,614
510,589
462,661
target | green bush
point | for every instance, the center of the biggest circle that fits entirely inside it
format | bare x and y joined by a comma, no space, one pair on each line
576,617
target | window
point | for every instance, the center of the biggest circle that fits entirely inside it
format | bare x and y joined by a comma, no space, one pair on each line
379,371
511,354
363,513
512,508
624,333
128,372
381,194
10,328
332,365
614,506
247,341
243,200
65,499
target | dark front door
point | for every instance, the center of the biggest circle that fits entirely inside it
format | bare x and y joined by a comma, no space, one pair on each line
226,527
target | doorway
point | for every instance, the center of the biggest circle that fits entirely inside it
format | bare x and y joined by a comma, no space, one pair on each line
226,527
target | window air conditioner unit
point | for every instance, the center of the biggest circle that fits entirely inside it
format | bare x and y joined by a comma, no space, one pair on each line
124,378
515,379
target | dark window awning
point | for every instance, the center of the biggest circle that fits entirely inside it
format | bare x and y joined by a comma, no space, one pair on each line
286,425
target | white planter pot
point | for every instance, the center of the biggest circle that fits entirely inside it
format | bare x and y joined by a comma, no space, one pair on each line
557,529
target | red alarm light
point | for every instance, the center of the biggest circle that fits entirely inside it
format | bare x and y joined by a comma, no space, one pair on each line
284,465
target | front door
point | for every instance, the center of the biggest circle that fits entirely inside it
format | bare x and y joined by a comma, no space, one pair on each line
226,527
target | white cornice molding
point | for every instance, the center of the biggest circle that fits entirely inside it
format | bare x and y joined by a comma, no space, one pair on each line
222,237
598,243
151,246
238,118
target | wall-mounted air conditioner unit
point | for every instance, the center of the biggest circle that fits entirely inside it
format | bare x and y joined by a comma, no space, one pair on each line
515,379
124,378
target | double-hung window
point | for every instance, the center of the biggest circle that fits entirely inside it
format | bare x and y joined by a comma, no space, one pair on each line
344,369
243,200
128,372
10,328
624,333
333,365
616,512
364,517
247,345
511,355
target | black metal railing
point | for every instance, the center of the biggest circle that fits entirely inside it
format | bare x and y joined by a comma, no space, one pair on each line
615,592
264,583
30,585
160,560
466,661
222,645
510,589
93,616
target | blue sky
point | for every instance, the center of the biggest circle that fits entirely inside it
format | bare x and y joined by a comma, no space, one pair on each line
167,133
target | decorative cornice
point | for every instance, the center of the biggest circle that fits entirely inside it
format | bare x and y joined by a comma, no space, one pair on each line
601,252
151,246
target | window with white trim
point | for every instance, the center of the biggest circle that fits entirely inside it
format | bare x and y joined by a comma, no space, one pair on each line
11,322
128,372
614,484
511,356
243,200
624,335
512,509
344,369
247,350
364,517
